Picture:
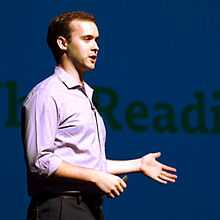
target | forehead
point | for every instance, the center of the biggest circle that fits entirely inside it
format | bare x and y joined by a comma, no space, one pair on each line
84,28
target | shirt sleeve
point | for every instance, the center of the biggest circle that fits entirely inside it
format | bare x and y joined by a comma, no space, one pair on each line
39,126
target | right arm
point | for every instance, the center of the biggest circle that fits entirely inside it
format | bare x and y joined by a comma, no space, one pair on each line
110,184
40,122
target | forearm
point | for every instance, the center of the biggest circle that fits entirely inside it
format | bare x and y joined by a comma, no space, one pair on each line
123,166
110,184
70,171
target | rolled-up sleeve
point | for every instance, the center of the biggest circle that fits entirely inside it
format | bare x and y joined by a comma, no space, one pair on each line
39,126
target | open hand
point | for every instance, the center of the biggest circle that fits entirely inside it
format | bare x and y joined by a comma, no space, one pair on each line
149,166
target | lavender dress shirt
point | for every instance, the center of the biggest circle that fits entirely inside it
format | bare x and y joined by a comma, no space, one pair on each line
60,123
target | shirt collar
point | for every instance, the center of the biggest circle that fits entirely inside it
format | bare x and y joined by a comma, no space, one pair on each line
70,82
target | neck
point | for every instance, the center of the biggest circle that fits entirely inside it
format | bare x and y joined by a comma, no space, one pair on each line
71,69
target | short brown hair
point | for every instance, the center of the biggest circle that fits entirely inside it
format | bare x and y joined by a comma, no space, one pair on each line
59,26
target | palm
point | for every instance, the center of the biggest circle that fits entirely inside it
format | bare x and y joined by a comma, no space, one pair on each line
156,170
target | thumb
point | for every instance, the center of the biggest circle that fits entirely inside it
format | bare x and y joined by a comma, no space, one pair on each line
157,154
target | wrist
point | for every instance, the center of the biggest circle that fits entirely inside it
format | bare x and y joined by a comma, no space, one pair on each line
138,164
141,165
94,176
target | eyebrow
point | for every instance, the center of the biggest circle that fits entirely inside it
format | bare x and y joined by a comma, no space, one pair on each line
89,35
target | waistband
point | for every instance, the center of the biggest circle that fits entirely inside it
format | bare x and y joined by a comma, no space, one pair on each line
94,199
41,184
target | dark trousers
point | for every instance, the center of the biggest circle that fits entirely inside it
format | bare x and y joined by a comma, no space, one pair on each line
66,207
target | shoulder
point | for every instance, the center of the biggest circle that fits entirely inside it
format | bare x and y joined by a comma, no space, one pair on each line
45,91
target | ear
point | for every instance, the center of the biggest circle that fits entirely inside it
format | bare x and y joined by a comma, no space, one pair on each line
62,43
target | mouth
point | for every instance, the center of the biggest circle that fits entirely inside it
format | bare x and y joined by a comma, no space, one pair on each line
93,58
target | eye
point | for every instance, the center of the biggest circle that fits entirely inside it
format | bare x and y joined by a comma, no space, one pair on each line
88,37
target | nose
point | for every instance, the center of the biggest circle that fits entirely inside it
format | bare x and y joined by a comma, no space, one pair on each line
95,47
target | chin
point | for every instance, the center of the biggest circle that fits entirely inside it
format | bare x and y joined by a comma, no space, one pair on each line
90,68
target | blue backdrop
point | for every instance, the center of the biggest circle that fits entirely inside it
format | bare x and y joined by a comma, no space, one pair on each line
157,80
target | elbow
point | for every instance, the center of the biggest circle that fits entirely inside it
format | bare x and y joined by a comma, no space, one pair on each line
47,164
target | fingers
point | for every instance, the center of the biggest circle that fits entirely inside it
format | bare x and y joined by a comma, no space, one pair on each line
123,183
160,180
165,177
169,175
168,168
118,188
111,195
110,184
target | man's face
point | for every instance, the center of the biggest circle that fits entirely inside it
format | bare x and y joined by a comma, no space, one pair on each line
82,49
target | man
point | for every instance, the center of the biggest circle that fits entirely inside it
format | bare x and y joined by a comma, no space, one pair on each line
64,135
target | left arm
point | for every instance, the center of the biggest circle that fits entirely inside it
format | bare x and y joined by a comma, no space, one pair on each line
123,166
148,165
